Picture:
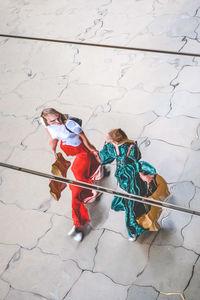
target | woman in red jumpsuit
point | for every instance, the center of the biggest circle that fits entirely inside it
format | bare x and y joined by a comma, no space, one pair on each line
74,143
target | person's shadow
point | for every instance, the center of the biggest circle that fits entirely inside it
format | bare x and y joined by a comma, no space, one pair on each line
99,209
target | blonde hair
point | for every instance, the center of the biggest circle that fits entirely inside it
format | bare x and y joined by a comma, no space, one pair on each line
119,136
53,111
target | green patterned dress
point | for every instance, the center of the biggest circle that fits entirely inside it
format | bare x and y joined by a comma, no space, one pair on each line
127,174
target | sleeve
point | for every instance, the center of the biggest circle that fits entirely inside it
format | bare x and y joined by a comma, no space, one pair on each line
74,127
106,155
162,190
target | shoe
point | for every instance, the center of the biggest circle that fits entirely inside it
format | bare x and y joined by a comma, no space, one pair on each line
78,236
133,238
72,231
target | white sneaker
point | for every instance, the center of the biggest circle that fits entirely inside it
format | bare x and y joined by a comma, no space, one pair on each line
78,236
133,238
72,231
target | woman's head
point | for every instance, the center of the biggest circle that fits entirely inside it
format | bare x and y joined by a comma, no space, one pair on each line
146,171
52,116
117,136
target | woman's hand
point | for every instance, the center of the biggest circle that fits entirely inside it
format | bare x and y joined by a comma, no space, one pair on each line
108,139
96,153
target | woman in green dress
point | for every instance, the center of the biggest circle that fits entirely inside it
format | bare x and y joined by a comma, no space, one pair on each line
127,154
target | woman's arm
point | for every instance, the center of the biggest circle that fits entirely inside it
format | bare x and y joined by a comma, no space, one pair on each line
52,143
89,146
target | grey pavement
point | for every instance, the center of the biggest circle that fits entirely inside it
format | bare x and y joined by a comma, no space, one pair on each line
153,97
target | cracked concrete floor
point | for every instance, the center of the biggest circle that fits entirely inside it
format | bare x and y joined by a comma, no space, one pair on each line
153,97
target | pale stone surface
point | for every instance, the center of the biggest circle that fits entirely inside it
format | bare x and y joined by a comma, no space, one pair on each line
194,203
170,296
116,222
14,132
162,261
101,288
22,227
89,96
192,292
191,241
16,187
66,247
184,82
105,122
138,101
4,289
63,206
169,159
191,173
19,295
6,253
6,151
174,25
171,232
105,21
177,131
150,96
152,73
37,266
192,46
128,257
30,158
142,292
174,224
185,103
99,211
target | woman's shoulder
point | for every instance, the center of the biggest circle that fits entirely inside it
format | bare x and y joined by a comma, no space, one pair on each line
71,123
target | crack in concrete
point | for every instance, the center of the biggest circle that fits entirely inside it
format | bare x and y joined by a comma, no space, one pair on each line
186,38
148,257
171,144
65,296
27,136
114,231
97,25
15,257
182,229
145,286
117,283
96,249
4,41
24,291
144,127
43,235
170,104
192,274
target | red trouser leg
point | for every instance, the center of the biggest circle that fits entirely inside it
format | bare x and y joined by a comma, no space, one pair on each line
79,211
83,167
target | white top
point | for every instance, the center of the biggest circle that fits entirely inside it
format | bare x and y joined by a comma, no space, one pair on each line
60,132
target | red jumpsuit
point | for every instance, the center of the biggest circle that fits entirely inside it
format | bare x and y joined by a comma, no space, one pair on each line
83,167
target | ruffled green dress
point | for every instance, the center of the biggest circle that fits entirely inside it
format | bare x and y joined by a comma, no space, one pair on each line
127,174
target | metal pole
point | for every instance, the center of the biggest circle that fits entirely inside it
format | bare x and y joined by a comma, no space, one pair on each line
104,190
99,45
